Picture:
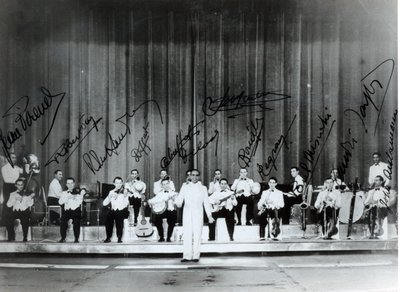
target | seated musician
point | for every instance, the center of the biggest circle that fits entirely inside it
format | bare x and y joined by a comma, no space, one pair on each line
245,184
20,203
223,203
72,200
138,188
166,198
270,203
377,207
338,183
328,204
119,199
295,196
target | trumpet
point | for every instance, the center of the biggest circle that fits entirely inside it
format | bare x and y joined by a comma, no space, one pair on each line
167,177
304,205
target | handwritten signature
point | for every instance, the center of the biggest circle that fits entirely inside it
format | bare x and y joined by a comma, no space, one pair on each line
93,160
389,153
69,146
245,154
265,169
25,118
316,147
181,142
228,102
142,148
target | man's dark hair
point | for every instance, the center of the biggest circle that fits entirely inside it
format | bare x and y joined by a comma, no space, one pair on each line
57,171
294,167
376,153
117,177
274,178
224,179
70,178
134,170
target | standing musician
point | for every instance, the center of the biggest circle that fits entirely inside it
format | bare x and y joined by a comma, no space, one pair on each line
295,196
328,204
55,190
377,206
157,185
245,184
214,185
72,200
166,198
270,203
223,203
10,173
194,195
338,183
138,188
20,202
378,168
119,199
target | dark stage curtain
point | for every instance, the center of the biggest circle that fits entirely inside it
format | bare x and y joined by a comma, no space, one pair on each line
168,59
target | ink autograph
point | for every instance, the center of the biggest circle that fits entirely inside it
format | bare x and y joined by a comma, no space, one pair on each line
26,115
247,153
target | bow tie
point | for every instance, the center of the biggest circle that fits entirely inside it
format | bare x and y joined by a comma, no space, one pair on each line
272,190
223,191
166,192
243,178
377,189
69,192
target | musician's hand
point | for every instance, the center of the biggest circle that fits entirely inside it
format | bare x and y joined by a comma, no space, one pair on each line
232,197
217,202
211,220
143,197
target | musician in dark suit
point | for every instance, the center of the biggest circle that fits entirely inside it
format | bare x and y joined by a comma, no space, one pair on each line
119,199
20,203
270,204
223,203
72,200
165,196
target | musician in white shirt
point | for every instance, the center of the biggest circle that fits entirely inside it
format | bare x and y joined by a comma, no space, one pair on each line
377,204
245,184
165,196
20,202
338,183
295,196
270,204
214,185
10,173
157,185
72,200
378,168
328,204
55,190
119,200
223,203
136,199
195,197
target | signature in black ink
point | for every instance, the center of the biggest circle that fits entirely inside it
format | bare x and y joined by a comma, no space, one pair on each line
348,146
370,91
245,154
69,146
143,148
94,161
229,102
311,154
265,169
389,153
180,150
25,118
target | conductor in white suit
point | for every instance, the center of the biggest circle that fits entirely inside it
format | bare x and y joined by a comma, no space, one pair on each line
194,194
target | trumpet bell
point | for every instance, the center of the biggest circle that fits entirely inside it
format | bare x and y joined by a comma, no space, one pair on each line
256,188
139,186
304,205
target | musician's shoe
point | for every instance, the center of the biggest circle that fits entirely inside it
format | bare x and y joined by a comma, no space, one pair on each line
119,240
107,240
195,260
184,260
76,240
25,239
231,239
168,239
239,223
161,240
248,223
10,239
210,239
262,238
62,240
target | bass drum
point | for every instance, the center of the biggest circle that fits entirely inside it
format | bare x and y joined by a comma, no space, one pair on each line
344,213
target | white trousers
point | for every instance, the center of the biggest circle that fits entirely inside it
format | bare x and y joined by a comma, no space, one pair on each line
192,229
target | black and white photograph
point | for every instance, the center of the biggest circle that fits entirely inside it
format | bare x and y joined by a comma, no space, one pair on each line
199,145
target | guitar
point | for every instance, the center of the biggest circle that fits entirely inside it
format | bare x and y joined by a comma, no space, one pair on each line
160,207
143,227
218,206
